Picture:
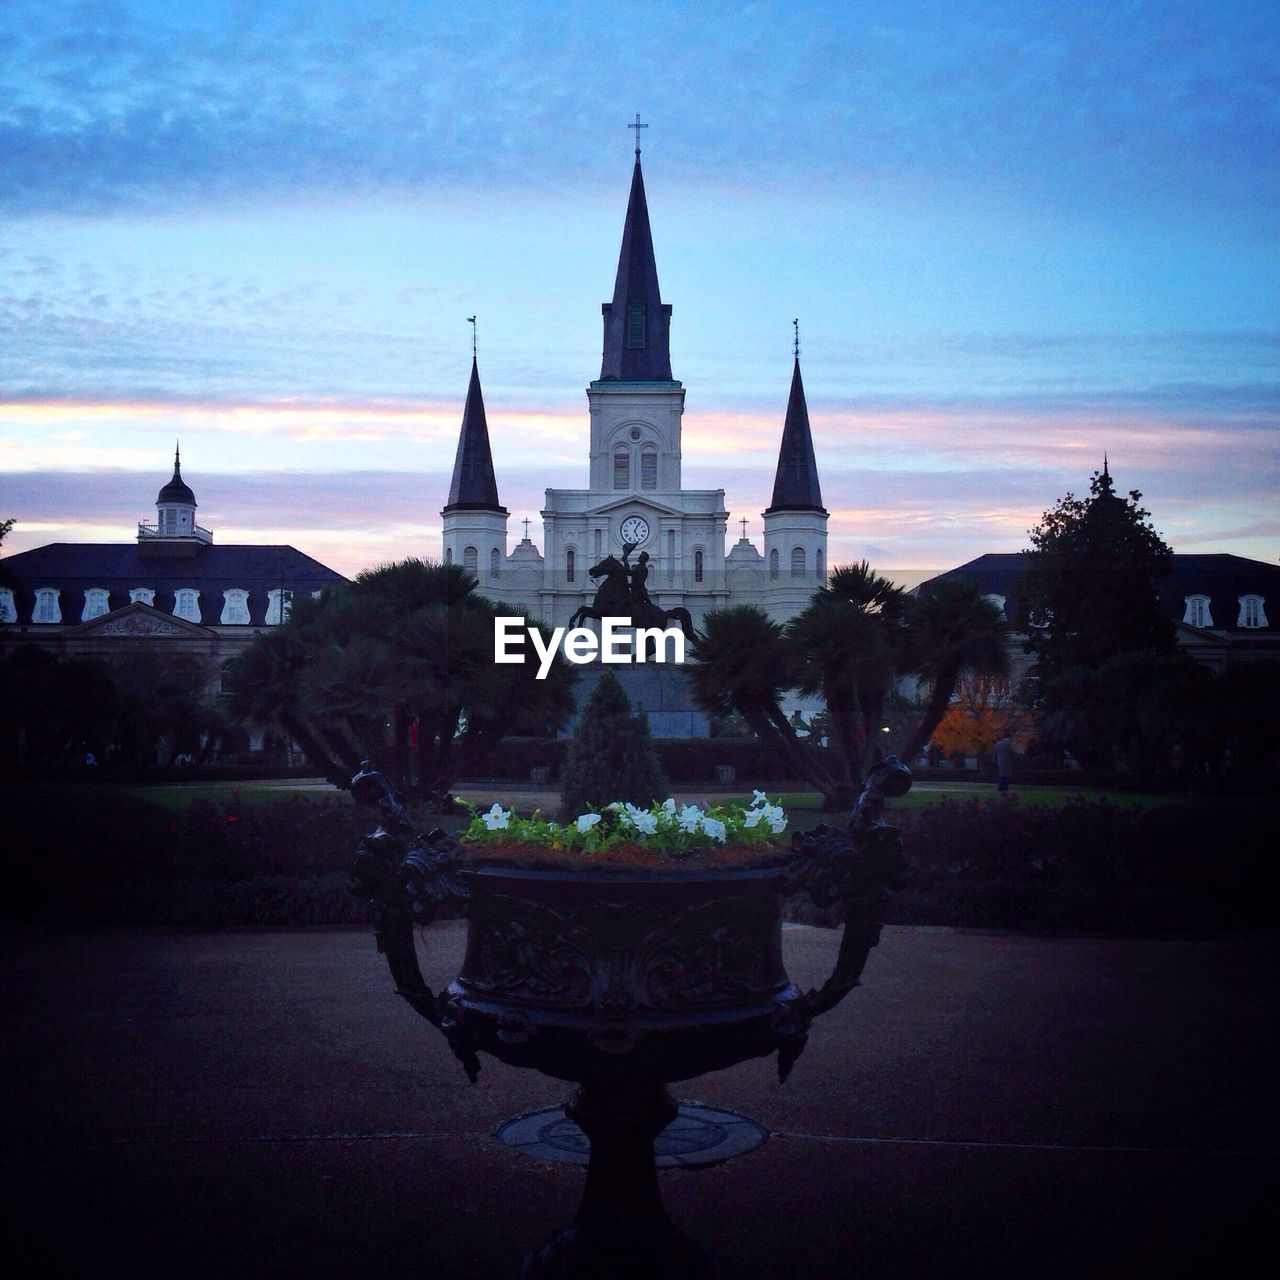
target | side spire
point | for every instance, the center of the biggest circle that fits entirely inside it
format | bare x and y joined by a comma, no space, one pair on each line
795,485
637,322
474,486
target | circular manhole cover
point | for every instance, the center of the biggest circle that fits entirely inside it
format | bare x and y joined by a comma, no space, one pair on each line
697,1137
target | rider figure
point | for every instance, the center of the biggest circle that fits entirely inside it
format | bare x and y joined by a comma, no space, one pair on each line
637,576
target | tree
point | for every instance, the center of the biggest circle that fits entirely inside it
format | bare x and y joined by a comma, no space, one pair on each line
743,663
952,628
982,710
409,646
850,643
1088,588
611,756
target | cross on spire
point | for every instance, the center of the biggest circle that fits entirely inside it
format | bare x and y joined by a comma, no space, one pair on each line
743,522
526,528
637,127
795,324
471,320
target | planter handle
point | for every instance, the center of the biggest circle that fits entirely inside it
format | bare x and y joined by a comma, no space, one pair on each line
854,867
407,877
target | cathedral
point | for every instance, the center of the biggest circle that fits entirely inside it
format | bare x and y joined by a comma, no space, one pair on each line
635,492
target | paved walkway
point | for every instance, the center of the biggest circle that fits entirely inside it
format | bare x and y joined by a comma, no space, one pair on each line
262,1105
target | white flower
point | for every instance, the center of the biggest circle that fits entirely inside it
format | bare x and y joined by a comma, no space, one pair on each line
689,817
775,817
714,828
669,806
497,817
646,823
587,820
752,818
758,797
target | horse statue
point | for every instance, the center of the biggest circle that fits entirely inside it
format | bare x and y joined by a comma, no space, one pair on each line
617,597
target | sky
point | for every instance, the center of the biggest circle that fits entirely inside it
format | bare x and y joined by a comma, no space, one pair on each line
1016,237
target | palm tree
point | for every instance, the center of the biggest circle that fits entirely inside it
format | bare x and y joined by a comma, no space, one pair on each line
743,662
406,644
951,627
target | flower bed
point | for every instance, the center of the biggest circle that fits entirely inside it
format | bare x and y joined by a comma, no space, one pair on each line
622,834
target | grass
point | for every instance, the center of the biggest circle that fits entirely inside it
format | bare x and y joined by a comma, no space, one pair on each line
924,794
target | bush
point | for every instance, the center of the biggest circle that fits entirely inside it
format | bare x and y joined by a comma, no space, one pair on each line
610,756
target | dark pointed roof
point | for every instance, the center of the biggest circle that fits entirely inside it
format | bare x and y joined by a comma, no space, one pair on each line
177,490
474,486
639,352
795,486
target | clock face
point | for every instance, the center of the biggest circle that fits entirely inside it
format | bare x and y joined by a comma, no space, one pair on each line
634,529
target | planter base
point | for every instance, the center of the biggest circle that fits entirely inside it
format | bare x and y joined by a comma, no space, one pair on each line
621,1229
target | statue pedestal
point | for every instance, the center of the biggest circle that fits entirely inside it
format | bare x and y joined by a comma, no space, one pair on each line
660,689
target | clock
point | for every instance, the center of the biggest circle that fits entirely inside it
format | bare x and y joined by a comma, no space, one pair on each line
634,529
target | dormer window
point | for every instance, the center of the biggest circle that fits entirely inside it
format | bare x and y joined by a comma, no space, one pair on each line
142,595
1252,613
1197,614
47,608
96,603
8,610
279,602
635,325
186,604
235,607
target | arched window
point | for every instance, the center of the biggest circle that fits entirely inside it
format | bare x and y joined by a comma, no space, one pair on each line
495,563
621,469
96,603
697,565
186,604
1197,614
235,607
649,469
570,566
635,324
142,595
773,563
47,608
820,565
797,562
8,611
448,555
470,559
1252,612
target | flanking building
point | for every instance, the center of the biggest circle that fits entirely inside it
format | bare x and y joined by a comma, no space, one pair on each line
171,605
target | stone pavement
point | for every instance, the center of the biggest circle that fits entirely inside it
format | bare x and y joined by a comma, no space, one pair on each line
260,1104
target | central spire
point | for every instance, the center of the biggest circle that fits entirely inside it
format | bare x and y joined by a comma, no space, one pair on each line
637,322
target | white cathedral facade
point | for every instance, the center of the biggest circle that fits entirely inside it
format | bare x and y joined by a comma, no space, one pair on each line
635,492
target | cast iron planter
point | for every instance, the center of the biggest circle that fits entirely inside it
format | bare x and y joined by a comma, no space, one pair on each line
624,981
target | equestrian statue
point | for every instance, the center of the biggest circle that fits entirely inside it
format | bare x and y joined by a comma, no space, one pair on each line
623,594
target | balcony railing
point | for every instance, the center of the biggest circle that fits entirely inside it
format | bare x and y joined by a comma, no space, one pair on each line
149,529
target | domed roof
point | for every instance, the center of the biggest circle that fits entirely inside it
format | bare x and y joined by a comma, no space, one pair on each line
177,490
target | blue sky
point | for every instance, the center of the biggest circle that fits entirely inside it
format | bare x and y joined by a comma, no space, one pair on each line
1015,235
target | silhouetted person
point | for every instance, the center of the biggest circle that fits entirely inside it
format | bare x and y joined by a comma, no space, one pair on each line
1004,763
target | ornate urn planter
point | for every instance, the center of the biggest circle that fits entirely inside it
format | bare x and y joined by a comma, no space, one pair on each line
623,981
